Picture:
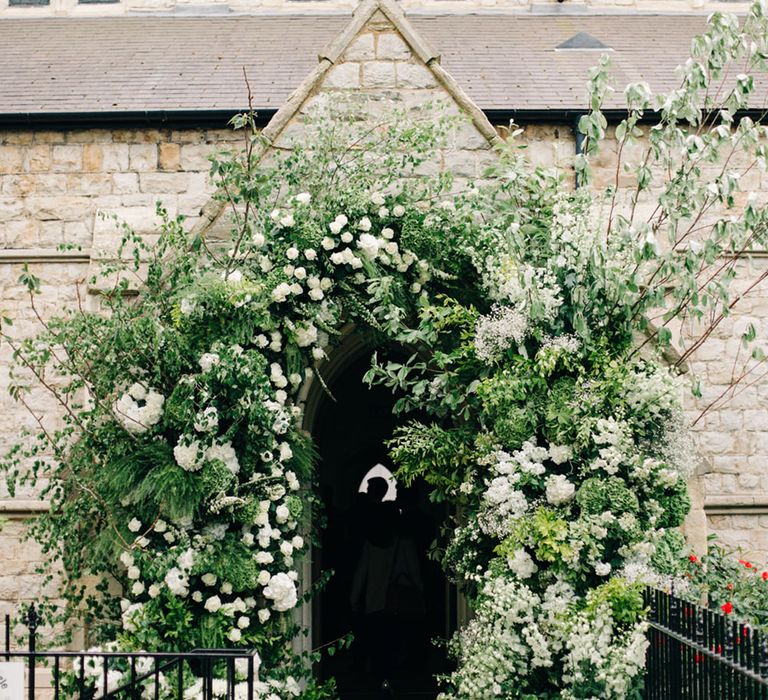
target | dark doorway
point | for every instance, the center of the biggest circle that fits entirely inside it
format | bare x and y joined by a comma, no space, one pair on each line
385,589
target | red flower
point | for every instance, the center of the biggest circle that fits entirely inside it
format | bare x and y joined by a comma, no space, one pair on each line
729,586
693,558
765,575
727,608
745,563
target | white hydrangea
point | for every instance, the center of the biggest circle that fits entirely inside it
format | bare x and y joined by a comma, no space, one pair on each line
207,421
559,489
337,224
208,361
137,417
225,453
186,455
521,564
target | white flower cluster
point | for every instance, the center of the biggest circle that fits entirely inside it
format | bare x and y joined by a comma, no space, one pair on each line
504,328
615,448
138,409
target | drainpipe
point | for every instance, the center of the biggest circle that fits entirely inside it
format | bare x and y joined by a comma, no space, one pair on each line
578,140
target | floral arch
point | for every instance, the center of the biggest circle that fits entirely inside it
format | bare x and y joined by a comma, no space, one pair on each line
182,454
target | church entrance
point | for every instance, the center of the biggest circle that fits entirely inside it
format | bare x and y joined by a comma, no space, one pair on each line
384,589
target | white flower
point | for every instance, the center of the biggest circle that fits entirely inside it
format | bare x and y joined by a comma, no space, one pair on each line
161,526
226,588
263,578
287,220
234,635
243,622
300,273
208,361
209,579
187,306
559,489
137,588
383,212
377,198
126,559
398,210
364,224
224,453
369,245
207,420
282,514
274,214
264,615
560,454
318,353
337,224
310,254
387,233
234,277
328,243
521,564
134,525
213,604
281,292
197,596
264,558
346,237
134,572
282,590
306,335
138,419
286,549
602,568
303,198
498,331
177,582
292,253
297,542
258,240
186,456
316,294
154,591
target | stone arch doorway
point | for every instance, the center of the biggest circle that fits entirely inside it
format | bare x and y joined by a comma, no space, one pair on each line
366,532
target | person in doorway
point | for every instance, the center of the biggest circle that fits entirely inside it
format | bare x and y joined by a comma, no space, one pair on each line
386,586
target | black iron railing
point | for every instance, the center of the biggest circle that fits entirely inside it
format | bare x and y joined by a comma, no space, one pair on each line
702,654
202,674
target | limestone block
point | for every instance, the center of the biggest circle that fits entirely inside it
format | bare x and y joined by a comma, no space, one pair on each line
92,157
37,158
10,208
413,75
391,47
344,76
123,183
11,159
115,157
162,183
89,183
67,158
21,234
195,156
169,156
379,75
143,156
361,49
461,163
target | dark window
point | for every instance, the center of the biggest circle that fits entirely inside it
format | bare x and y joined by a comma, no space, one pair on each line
97,2
27,3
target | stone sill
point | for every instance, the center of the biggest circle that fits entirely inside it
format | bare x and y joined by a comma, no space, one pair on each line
43,255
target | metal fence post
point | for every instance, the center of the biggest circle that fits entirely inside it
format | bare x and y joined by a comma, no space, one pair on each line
32,620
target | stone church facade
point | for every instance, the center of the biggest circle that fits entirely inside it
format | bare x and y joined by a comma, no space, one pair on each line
78,148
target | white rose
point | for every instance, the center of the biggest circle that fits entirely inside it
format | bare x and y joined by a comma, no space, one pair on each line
286,548
243,622
209,579
559,489
287,220
234,635
258,240
346,237
134,572
377,198
226,588
126,558
310,254
134,525
318,353
282,514
398,210
137,588
383,212
300,273
292,253
297,542
337,224
154,591
316,294
263,578
235,277
369,245
303,198
282,591
364,224
602,568
387,233
264,558
264,615
213,604
197,596
328,243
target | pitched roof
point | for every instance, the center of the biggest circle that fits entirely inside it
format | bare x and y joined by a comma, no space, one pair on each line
121,64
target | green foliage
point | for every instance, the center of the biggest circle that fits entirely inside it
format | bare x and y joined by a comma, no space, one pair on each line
597,495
